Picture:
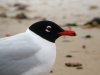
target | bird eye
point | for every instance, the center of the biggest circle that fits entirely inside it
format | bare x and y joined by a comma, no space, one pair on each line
48,29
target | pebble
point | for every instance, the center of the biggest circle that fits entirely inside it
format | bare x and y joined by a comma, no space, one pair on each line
69,56
51,71
75,65
84,46
88,36
21,16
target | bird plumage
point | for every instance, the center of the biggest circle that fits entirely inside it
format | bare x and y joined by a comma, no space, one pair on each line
21,53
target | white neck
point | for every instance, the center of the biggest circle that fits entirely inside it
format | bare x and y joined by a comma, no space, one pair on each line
37,37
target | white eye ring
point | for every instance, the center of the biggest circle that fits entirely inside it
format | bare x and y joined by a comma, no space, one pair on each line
48,29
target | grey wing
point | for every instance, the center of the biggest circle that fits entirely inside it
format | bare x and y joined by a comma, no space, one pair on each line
17,56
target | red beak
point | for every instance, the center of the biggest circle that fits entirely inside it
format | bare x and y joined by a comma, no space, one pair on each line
67,33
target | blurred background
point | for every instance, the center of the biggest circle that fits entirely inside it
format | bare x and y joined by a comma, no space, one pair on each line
78,55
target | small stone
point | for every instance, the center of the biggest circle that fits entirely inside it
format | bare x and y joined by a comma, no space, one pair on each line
7,35
88,36
3,15
68,64
74,65
77,65
21,16
84,46
51,71
70,24
93,7
69,56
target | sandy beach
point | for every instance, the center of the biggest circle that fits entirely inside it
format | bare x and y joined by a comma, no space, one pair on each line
78,55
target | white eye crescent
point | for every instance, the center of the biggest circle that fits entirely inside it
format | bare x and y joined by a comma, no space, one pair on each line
48,29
